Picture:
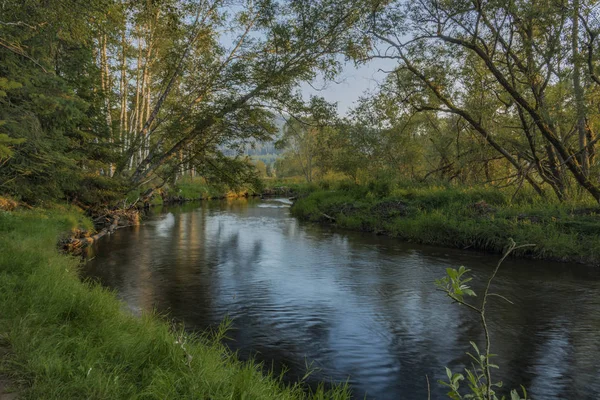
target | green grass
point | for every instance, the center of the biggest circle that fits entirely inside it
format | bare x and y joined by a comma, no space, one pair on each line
477,218
72,340
289,186
195,189
188,188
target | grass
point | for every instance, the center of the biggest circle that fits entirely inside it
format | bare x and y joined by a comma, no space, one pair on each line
289,186
72,340
196,188
187,189
478,218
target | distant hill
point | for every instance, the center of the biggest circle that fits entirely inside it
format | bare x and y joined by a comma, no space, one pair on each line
261,150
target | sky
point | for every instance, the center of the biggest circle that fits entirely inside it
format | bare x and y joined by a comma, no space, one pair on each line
351,84
348,87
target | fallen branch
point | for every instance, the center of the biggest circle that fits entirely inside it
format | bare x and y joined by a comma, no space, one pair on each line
115,219
332,219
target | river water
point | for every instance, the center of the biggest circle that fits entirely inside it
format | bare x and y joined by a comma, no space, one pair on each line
354,306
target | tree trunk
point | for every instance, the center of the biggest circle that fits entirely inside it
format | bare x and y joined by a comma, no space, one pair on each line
579,94
123,86
106,91
547,129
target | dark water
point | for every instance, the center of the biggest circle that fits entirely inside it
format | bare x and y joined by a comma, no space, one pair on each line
359,307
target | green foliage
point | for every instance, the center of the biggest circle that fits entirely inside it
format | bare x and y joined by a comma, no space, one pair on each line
475,115
475,218
197,189
479,376
73,340
48,108
6,144
261,168
454,283
307,143
82,92
92,189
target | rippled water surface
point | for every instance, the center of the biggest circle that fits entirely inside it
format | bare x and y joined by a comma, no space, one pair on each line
359,307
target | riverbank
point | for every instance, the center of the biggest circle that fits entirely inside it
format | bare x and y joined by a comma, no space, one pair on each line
194,189
482,219
70,340
184,190
191,189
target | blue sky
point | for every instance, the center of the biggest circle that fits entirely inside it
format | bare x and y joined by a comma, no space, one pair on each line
348,87
351,84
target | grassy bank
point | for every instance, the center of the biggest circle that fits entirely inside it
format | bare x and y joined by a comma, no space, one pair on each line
289,187
72,340
481,219
189,189
197,189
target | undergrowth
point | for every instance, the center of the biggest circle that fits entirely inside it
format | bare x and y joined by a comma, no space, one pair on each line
196,188
478,218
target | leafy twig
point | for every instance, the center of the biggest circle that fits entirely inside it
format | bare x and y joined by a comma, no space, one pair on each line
454,284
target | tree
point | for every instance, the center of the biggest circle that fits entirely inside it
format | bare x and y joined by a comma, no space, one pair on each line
269,171
229,97
48,104
261,168
306,138
521,52
115,95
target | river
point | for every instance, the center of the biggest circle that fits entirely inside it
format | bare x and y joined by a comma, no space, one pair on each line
354,306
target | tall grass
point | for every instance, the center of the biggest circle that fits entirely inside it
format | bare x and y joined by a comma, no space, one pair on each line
72,340
478,218
197,189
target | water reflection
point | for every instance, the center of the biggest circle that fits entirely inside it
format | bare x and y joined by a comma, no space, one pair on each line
357,306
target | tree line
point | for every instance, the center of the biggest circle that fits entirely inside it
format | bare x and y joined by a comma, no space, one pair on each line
107,96
496,92
100,98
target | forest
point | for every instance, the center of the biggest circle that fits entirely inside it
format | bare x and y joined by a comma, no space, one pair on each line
485,129
103,99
